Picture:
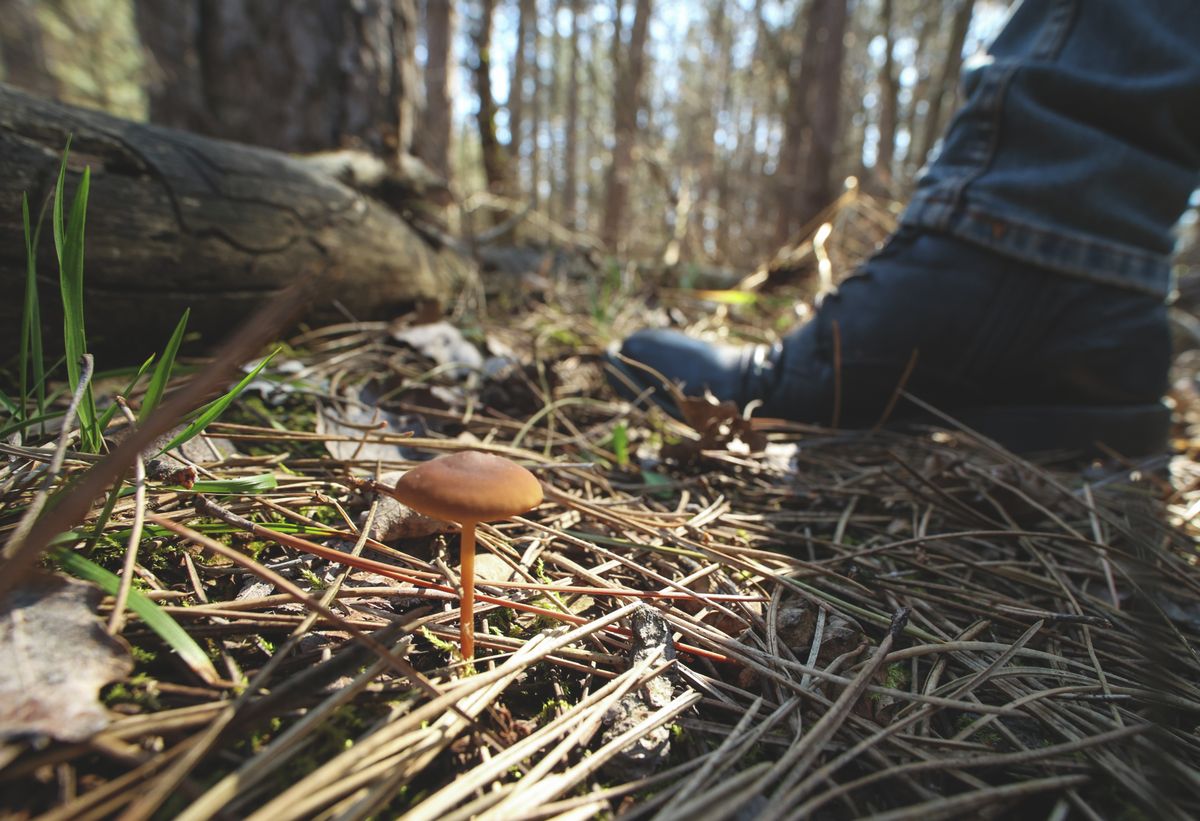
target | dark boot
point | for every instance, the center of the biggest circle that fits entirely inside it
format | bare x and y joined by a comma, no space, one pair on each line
1035,359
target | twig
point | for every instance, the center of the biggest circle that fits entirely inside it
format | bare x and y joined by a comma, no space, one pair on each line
117,618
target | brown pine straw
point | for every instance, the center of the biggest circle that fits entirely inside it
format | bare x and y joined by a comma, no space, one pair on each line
1047,665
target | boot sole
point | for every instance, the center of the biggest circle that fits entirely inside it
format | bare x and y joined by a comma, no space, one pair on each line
1089,430
1133,430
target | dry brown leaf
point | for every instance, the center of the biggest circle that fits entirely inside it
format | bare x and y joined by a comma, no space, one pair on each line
56,658
359,420
444,344
720,425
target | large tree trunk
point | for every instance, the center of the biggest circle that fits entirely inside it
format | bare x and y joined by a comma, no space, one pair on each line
495,165
798,70
811,130
22,49
571,128
177,220
433,141
928,31
947,80
822,94
889,103
627,101
536,112
324,74
524,56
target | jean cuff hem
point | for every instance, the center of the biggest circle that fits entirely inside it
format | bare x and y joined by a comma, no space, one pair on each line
1057,249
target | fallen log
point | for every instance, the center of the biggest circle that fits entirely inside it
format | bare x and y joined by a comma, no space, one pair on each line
180,221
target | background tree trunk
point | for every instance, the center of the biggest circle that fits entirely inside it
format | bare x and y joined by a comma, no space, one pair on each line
823,100
495,165
433,141
22,49
571,128
947,81
798,71
303,77
811,125
526,25
889,90
626,105
177,220
536,108
928,30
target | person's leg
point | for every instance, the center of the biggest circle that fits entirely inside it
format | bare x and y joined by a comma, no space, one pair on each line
1032,264
1079,142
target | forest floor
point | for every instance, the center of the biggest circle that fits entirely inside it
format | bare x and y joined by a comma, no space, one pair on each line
876,624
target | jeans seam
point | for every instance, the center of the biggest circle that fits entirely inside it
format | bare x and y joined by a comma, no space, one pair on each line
995,105
1124,267
1048,46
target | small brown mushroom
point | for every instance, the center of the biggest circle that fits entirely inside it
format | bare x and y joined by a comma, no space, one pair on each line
467,488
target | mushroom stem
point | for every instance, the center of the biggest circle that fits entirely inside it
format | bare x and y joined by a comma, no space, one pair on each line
467,579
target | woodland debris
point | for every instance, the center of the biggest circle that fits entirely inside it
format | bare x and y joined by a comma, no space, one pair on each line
56,658
651,636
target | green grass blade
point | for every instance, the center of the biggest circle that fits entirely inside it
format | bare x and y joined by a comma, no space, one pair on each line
111,411
102,520
24,424
11,406
160,622
215,408
59,195
69,245
620,443
162,371
31,361
243,484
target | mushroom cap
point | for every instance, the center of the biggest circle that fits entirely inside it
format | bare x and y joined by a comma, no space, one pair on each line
469,486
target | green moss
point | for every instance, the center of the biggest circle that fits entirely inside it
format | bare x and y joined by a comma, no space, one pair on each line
550,710
897,676
332,737
260,739
987,735
322,514
256,548
503,622
314,581
141,655
140,690
438,642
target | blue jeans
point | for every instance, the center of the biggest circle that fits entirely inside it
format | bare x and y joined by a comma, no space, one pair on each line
1078,145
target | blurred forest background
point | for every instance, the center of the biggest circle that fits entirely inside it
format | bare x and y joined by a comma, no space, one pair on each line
707,132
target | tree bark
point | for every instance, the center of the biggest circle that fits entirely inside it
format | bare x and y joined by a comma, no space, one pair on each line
798,73
23,50
571,128
526,23
889,90
433,142
818,89
627,102
176,220
536,110
303,77
947,80
929,29
495,165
